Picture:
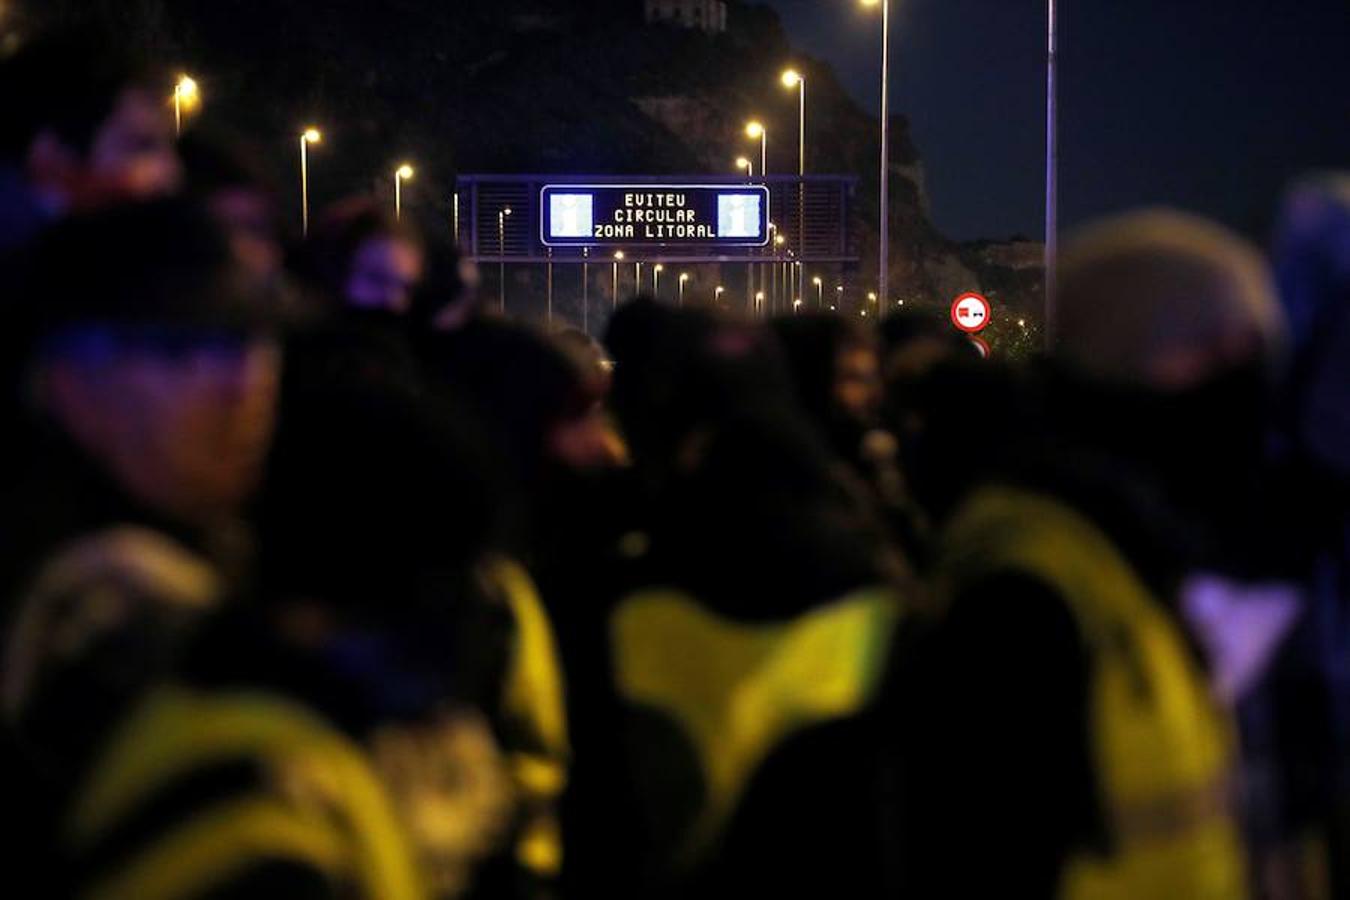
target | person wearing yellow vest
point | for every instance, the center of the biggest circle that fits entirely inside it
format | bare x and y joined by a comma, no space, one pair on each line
1058,733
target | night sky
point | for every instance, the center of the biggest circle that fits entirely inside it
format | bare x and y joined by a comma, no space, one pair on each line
1206,104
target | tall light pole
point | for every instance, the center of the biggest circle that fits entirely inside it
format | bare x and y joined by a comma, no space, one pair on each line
777,266
747,165
403,173
820,292
618,258
684,276
1051,176
185,96
307,137
885,133
793,78
501,257
586,290
656,280
717,294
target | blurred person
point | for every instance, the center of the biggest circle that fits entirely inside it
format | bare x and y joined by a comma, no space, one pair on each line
151,381
1296,729
754,577
836,369
85,125
365,261
836,373
228,178
1056,713
377,614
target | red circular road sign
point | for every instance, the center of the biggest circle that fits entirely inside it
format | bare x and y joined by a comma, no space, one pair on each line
971,313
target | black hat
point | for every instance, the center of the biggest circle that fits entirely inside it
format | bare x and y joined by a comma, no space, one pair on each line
163,263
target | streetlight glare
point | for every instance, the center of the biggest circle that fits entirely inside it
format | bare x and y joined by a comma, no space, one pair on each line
742,162
870,2
816,280
507,211
684,276
618,254
660,268
187,89
791,78
312,136
754,130
405,172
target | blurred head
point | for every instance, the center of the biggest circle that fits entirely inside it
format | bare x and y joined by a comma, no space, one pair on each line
836,369
85,122
1169,335
543,399
225,175
155,355
1164,300
365,259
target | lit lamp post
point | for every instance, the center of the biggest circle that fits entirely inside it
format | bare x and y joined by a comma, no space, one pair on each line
618,258
307,137
656,280
717,294
759,302
839,294
401,174
501,257
185,97
885,131
747,165
820,292
755,131
684,276
791,79
872,299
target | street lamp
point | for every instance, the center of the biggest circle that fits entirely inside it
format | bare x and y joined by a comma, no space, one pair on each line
684,276
747,165
791,79
717,294
796,305
403,173
307,137
820,292
755,131
656,280
501,256
759,302
872,299
618,258
185,97
885,132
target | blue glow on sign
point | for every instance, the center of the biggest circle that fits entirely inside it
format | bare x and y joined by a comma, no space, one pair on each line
653,214
571,215
738,216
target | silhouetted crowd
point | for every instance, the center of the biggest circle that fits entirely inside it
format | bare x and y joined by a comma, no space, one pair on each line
320,580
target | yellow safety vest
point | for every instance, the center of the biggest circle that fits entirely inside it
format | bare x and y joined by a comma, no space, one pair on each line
535,707
1163,750
318,803
737,690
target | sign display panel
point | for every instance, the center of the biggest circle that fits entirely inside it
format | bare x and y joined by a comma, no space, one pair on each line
573,215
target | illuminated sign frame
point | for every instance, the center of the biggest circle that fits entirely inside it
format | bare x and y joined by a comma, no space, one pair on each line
716,190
